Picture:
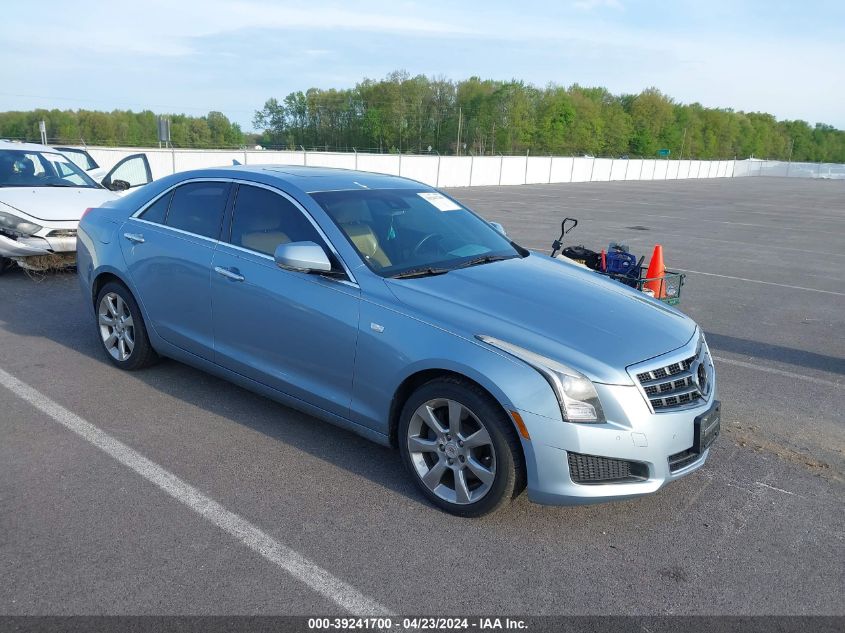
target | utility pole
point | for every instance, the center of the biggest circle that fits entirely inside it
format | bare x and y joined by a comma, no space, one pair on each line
493,140
789,160
526,165
458,146
683,142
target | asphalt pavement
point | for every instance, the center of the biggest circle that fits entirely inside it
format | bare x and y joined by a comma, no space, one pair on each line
189,495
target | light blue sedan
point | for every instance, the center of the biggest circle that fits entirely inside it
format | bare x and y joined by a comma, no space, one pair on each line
388,308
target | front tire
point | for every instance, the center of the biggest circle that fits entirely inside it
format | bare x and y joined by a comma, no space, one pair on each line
122,330
460,447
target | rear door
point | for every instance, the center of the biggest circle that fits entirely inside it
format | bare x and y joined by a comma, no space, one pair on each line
168,249
130,172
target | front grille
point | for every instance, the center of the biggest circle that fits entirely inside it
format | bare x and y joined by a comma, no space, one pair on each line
589,469
62,233
674,386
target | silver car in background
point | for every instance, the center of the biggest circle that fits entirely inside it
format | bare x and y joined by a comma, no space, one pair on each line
386,307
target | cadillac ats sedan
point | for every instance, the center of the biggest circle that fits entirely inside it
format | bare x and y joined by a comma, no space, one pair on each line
390,309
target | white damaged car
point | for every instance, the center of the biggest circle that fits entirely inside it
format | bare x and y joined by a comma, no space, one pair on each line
43,195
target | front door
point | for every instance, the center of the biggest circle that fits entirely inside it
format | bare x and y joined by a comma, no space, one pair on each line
130,172
168,249
293,331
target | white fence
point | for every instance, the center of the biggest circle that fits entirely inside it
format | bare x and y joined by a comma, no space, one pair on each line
463,171
785,169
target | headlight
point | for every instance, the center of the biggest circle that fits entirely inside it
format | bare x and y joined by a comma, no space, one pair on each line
17,226
576,394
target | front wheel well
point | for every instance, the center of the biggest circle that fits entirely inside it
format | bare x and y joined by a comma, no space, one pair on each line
417,380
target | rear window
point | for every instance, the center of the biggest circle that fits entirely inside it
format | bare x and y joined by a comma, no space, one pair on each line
80,157
198,208
157,211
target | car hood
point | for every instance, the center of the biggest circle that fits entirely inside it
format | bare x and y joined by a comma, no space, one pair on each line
563,312
54,204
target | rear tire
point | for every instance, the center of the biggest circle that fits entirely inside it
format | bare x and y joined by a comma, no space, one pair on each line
121,328
460,447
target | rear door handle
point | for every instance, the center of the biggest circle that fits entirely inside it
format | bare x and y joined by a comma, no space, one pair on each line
228,274
135,238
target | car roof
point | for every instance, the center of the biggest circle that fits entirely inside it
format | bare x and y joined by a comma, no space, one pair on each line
25,147
309,179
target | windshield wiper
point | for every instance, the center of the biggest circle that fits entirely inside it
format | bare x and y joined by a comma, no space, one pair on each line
427,271
484,259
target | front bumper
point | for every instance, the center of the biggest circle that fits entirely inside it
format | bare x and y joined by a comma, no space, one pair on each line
636,435
35,246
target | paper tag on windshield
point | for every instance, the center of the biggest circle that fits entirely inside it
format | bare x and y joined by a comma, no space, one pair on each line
439,200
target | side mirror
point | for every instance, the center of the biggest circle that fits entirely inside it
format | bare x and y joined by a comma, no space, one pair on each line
499,228
302,256
117,185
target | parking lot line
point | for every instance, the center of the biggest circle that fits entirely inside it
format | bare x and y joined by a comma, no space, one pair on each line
779,372
760,281
298,566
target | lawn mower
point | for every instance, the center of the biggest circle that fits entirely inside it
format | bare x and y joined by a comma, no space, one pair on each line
620,264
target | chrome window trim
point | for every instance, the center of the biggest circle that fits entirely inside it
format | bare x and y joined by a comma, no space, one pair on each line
248,251
251,183
272,260
175,230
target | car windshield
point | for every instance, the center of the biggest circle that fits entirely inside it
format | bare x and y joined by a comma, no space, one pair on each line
402,231
25,168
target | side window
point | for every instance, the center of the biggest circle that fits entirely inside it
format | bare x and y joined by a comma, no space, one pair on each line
66,173
80,157
264,219
157,211
198,208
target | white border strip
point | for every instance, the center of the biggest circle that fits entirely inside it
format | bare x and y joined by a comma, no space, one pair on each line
302,569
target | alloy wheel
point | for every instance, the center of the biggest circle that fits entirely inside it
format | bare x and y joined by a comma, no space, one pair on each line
451,451
117,328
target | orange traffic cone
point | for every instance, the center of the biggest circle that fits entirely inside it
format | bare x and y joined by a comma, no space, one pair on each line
656,272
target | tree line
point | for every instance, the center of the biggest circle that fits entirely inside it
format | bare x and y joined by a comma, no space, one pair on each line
404,113
419,114
120,128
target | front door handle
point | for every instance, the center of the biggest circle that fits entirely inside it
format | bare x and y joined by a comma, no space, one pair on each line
228,274
135,238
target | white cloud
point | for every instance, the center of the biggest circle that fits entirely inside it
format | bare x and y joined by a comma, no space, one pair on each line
167,29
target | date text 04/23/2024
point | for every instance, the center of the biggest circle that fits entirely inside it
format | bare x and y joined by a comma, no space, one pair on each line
481,624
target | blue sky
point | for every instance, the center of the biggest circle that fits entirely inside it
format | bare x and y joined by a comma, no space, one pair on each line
194,56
